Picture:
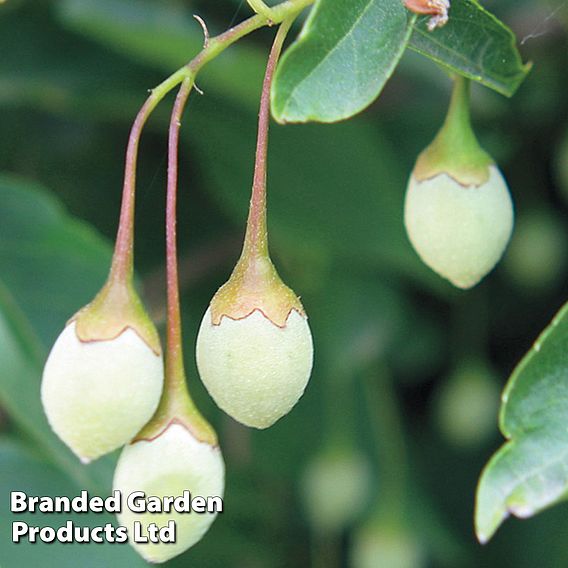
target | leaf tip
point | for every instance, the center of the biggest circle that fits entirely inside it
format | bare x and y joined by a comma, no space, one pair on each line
490,510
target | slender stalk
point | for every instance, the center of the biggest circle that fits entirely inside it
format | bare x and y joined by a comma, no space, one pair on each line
256,238
174,353
176,404
459,114
285,11
123,259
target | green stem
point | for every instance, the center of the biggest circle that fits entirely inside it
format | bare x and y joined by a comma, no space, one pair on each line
456,151
457,129
288,10
260,8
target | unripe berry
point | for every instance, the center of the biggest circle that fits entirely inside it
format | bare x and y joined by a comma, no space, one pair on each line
254,348
255,370
459,231
381,544
336,487
103,378
167,465
467,404
458,210
537,256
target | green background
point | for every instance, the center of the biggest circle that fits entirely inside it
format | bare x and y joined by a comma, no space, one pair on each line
384,450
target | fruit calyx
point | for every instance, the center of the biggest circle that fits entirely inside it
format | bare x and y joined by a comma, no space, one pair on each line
177,407
455,151
116,308
255,285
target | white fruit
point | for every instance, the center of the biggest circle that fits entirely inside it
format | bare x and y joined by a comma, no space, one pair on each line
97,395
459,231
254,370
168,465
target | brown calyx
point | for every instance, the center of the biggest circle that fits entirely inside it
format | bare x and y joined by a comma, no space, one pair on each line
255,285
116,308
177,407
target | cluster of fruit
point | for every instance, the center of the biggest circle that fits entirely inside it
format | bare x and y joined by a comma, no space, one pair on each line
105,384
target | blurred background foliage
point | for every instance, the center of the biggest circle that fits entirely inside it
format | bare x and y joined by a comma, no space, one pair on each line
377,466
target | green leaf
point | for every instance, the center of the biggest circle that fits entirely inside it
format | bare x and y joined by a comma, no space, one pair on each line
473,43
50,266
345,54
530,471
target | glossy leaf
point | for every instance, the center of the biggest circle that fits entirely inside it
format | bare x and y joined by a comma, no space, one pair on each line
530,471
473,43
346,52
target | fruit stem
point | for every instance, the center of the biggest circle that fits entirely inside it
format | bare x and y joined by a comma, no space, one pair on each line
456,151
256,238
123,259
457,125
177,404
174,353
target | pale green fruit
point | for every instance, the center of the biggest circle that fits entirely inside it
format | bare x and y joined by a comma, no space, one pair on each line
467,405
255,370
459,231
381,546
537,256
97,395
336,487
166,466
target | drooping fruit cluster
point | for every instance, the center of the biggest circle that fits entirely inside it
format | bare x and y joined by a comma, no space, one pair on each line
105,384
458,210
